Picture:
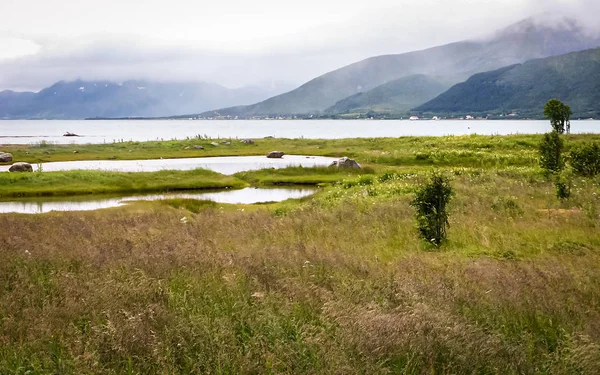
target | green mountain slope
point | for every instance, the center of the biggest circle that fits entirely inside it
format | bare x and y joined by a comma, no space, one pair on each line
397,96
525,88
454,63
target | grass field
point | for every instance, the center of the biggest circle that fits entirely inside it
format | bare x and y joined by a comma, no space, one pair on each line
101,182
339,283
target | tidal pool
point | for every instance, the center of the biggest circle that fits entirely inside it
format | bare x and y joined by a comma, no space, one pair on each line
224,165
241,196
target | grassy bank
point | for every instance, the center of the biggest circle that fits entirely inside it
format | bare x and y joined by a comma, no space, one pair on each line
336,284
101,182
301,176
466,151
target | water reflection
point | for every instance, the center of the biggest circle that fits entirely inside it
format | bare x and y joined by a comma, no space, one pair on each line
225,165
242,196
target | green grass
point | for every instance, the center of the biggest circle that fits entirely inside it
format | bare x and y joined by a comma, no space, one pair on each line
300,175
339,283
100,182
465,151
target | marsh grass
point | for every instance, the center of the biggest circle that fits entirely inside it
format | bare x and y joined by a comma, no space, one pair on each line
339,283
301,175
466,151
103,182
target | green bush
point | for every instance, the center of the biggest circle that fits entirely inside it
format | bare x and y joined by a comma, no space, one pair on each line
430,203
550,150
585,160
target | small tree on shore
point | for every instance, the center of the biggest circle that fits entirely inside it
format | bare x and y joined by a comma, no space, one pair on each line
559,115
550,150
430,203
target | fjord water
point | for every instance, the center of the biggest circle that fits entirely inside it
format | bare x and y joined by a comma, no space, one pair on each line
99,131
242,196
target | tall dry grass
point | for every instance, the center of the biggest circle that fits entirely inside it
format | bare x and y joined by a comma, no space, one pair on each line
334,285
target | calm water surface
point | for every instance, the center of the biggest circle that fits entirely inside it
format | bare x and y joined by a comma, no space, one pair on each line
222,164
30,131
242,196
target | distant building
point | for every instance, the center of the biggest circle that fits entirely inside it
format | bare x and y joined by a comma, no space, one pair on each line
413,118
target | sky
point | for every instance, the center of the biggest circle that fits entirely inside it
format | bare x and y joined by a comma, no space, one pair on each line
236,42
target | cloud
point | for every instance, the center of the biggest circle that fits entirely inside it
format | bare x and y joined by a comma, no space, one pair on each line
237,43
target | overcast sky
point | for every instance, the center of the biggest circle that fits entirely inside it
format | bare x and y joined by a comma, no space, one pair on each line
235,42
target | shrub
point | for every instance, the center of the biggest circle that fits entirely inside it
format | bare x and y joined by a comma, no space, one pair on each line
563,190
585,160
430,203
550,150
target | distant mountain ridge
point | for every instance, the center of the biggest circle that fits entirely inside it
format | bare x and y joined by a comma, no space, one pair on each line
524,88
454,63
82,99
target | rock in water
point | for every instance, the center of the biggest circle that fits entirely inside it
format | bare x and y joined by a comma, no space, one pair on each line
21,167
5,157
275,154
345,163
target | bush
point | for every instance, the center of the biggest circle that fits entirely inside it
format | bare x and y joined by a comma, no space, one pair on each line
563,190
585,160
550,150
430,203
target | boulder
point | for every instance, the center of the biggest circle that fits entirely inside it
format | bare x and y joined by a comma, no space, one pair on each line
198,147
214,144
345,163
69,134
275,154
5,157
21,167
247,141
226,143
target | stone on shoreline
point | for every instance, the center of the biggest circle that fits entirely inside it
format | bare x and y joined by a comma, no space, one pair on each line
21,167
5,157
345,163
275,154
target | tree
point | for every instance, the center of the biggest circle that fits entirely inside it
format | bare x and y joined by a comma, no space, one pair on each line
550,150
430,203
559,115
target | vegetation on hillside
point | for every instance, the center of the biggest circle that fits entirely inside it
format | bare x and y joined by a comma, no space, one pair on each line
393,97
525,88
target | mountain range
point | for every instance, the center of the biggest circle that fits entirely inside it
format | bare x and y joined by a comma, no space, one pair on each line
453,63
83,99
524,88
513,69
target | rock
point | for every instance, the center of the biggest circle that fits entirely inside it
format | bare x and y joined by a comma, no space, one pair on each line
214,144
69,134
187,148
76,152
226,143
269,137
275,154
112,158
198,147
247,141
5,157
345,163
46,152
21,167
